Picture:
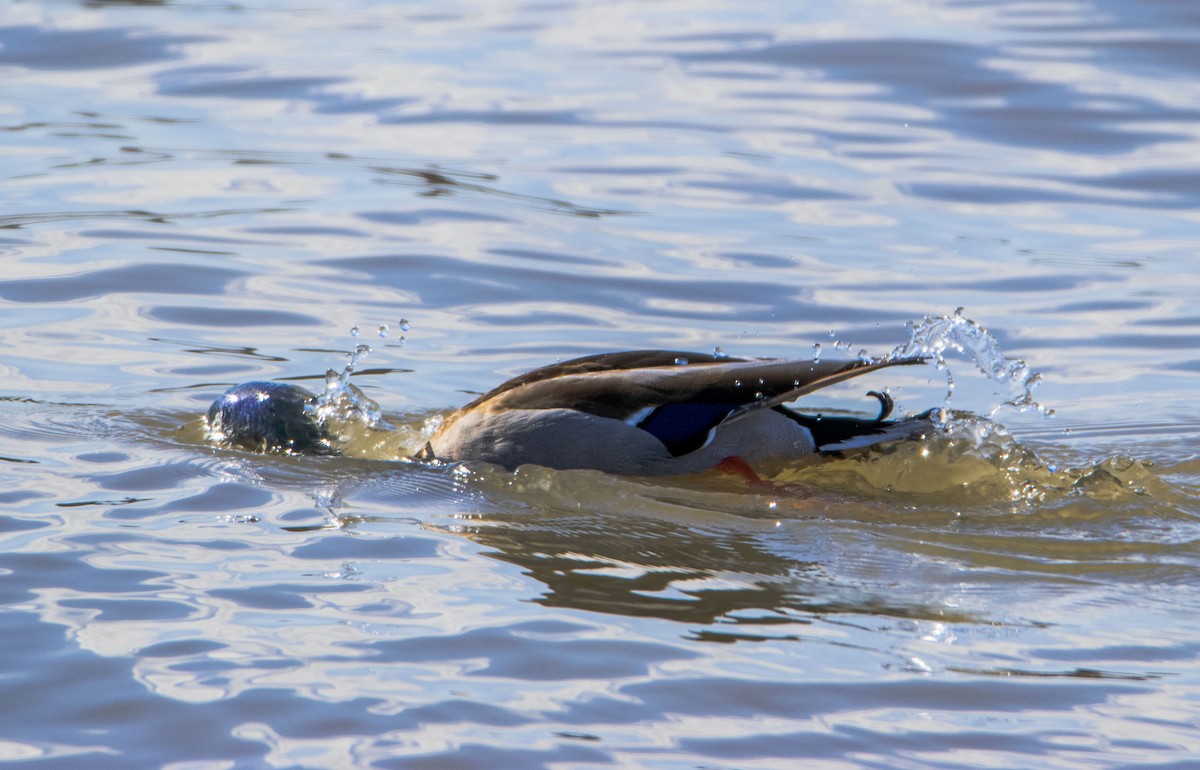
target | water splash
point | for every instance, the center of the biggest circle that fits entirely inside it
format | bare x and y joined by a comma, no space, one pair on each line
342,408
933,336
971,460
353,421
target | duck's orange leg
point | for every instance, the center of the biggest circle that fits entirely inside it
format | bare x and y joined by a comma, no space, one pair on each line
737,466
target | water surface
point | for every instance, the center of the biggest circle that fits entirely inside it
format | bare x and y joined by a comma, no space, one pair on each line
196,195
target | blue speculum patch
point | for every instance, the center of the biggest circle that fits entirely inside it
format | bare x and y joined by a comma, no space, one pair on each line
684,427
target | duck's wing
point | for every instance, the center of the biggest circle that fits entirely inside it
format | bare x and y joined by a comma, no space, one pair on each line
605,362
678,403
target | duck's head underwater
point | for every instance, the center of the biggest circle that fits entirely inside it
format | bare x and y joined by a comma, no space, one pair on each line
637,413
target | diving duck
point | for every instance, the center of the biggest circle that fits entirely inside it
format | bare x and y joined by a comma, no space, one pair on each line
642,413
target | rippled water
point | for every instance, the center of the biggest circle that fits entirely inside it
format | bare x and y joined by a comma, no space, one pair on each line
200,194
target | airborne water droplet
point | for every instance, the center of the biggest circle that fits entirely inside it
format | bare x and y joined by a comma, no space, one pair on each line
404,324
934,336
354,331
342,403
384,331
681,361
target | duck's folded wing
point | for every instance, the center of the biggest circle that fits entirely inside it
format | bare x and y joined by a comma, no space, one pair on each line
679,403
819,378
623,361
622,392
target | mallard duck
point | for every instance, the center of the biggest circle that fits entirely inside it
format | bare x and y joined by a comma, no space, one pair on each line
645,413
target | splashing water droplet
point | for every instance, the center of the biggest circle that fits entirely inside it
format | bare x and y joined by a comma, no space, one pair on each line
354,331
719,353
681,361
383,331
342,402
404,324
816,357
932,337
